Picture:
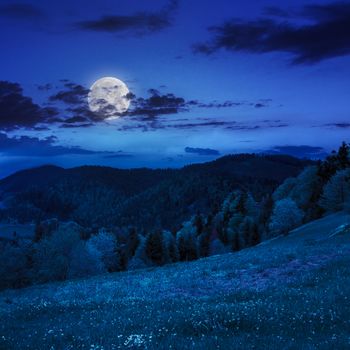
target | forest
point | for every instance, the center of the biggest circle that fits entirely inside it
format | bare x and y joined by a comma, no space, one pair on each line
95,220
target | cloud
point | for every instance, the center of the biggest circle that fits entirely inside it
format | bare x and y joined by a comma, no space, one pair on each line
260,125
143,109
27,146
73,98
163,104
229,104
76,119
202,151
215,104
35,147
21,11
119,154
72,94
339,125
202,123
157,104
313,34
302,151
71,126
17,110
275,11
139,23
45,87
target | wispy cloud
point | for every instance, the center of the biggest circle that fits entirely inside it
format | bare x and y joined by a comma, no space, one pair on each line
21,11
136,24
202,151
46,147
324,33
344,125
302,151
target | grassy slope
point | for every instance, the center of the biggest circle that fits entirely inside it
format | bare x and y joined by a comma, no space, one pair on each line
290,293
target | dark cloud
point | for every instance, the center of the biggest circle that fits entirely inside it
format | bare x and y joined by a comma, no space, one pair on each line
139,23
228,104
163,104
276,12
71,126
339,125
17,110
200,123
260,125
216,104
35,147
20,11
315,33
26,146
45,87
73,98
157,104
202,151
76,119
119,154
209,123
144,109
72,94
302,151
326,12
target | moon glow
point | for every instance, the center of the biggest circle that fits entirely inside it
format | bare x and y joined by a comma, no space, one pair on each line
108,98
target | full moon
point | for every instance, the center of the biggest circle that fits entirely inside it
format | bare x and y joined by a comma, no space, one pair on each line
108,97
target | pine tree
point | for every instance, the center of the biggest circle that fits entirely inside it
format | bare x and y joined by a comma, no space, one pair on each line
204,244
154,247
236,244
186,240
181,247
198,222
336,161
170,250
344,156
191,249
248,232
336,192
39,232
133,242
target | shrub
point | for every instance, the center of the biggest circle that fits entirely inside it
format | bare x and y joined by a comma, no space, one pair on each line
84,261
285,217
14,267
52,255
106,245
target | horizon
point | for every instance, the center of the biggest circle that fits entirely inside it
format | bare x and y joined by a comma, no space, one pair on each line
44,165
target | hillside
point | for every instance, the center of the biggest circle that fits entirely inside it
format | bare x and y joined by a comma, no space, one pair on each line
144,198
287,293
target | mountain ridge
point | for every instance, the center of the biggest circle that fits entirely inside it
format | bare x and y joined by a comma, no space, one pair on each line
142,197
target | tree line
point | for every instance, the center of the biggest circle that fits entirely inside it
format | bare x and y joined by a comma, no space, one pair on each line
64,250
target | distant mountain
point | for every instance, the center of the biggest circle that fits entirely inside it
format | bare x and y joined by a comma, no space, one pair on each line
145,198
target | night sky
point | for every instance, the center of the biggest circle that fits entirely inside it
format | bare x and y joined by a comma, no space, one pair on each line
207,78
